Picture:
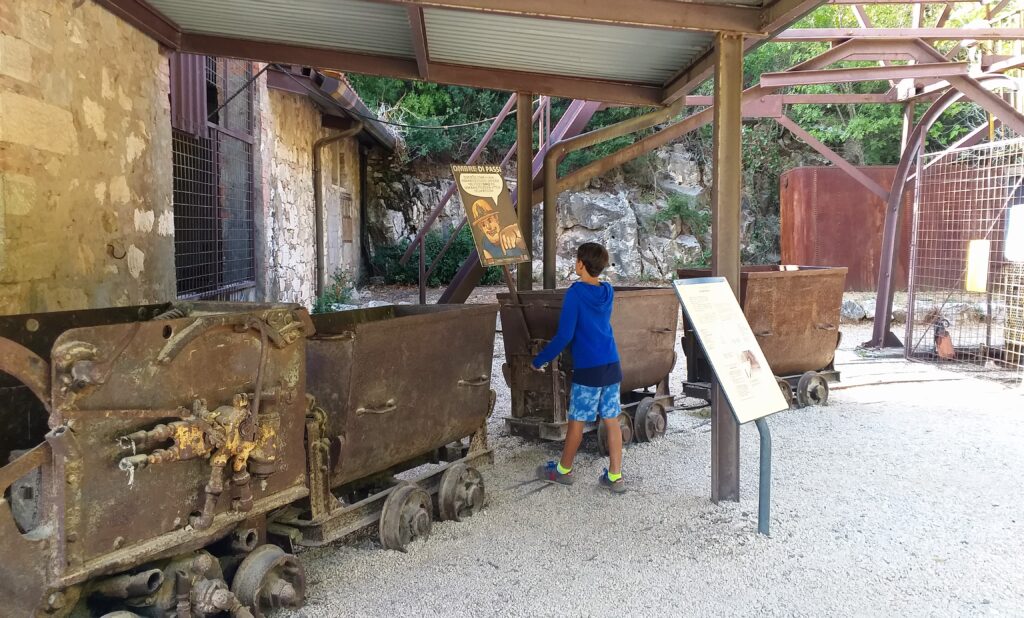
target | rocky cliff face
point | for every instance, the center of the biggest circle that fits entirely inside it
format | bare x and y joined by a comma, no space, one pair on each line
617,211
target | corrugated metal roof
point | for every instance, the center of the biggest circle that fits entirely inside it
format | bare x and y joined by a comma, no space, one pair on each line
350,25
619,53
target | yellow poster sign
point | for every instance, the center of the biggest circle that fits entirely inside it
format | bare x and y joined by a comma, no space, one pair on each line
489,211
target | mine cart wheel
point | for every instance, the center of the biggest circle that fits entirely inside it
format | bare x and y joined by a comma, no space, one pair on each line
649,420
461,493
787,391
812,390
405,517
625,422
269,578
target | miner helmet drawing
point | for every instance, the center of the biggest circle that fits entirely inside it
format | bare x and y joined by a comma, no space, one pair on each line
496,242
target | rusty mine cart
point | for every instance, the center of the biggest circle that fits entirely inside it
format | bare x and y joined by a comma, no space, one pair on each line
163,460
644,321
394,393
794,314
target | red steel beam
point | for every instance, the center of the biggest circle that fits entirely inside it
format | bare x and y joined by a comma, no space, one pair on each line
860,74
284,53
668,14
904,2
834,157
976,136
917,50
776,17
944,16
150,21
806,99
925,34
862,16
553,85
405,68
418,31
992,12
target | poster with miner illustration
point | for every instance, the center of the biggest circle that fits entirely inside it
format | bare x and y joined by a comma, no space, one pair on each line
489,211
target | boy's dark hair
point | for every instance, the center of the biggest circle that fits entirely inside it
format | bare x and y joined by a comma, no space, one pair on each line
594,257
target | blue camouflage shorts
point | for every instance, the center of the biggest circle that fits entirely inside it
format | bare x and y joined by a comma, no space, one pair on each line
587,402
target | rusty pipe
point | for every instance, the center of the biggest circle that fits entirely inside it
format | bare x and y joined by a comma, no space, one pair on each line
524,183
183,595
127,586
559,150
318,198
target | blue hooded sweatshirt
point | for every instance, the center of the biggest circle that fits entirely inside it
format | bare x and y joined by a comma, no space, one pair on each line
586,322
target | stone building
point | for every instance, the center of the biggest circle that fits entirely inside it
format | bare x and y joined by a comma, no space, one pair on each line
130,174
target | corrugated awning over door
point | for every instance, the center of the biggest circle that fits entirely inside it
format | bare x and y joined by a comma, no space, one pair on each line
188,94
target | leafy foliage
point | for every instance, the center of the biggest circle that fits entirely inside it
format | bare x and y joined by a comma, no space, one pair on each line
691,210
338,292
386,261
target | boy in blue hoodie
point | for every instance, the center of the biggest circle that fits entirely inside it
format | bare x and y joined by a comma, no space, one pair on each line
586,322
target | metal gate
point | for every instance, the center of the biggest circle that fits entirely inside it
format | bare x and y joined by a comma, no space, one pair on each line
966,301
214,229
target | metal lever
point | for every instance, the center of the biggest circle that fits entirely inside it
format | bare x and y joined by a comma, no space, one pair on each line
764,333
661,330
481,381
825,326
390,406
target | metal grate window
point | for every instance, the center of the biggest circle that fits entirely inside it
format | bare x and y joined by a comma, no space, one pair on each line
213,189
967,261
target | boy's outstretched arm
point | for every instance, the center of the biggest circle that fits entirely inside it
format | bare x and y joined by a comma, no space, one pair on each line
566,328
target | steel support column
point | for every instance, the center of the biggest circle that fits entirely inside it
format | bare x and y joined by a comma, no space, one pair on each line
550,218
524,183
725,244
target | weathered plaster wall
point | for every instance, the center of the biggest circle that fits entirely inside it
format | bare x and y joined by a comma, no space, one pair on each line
290,125
85,160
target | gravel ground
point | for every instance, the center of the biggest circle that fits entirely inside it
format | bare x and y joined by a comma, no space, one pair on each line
903,499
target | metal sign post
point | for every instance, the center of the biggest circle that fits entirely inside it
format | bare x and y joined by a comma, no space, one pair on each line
741,370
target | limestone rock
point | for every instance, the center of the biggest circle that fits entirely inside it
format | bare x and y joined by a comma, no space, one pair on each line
851,311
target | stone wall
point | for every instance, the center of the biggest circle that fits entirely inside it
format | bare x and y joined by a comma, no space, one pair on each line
85,160
612,210
290,126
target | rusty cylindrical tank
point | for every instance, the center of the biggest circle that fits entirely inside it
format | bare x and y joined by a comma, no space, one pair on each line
793,312
643,320
110,418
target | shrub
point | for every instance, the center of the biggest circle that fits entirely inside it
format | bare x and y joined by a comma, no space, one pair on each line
386,261
689,210
337,292
704,261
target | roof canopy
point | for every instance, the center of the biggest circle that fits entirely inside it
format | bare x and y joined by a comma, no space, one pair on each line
638,52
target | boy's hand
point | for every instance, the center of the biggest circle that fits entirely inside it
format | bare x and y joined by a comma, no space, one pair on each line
538,369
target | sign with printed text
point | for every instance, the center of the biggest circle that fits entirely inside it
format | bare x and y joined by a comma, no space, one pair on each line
736,358
488,205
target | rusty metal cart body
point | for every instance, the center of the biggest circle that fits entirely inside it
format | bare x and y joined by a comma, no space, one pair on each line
144,447
395,387
644,322
794,314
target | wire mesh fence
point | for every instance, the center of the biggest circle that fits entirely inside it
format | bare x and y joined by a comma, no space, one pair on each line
214,237
966,301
